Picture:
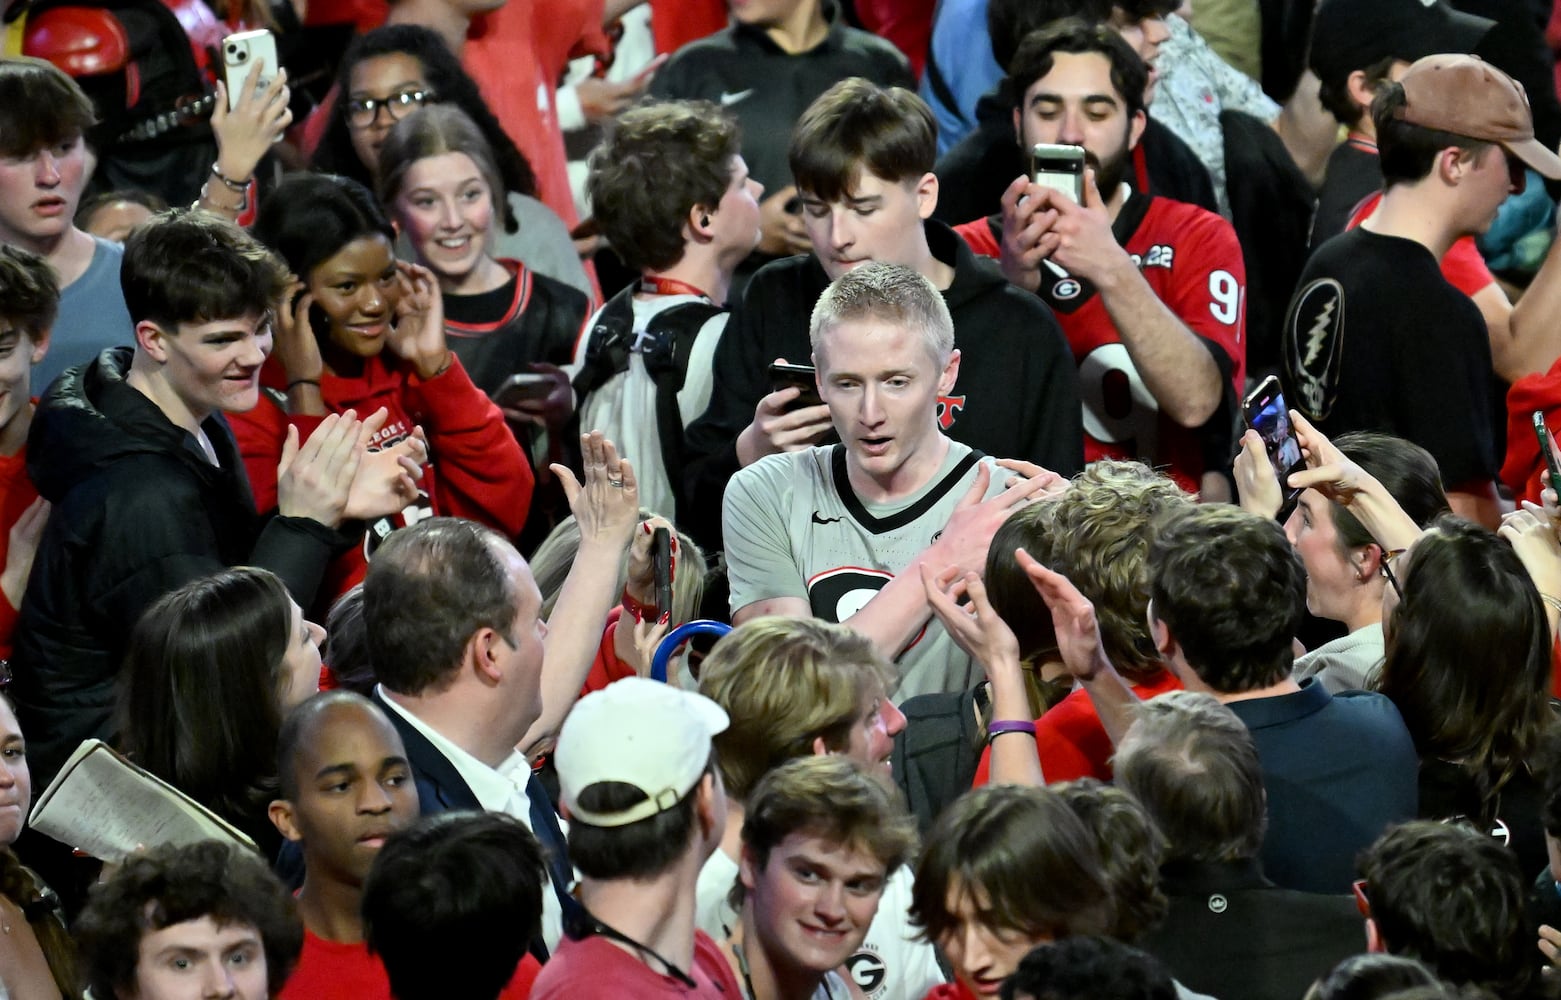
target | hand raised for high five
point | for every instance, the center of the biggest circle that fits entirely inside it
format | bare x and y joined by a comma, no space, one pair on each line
1073,618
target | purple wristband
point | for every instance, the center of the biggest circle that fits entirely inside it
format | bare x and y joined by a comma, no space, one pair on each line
998,728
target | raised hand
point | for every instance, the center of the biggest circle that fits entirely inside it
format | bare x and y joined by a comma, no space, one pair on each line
258,118
1084,242
1027,236
974,627
418,336
293,339
969,531
1073,618
1533,538
1054,483
781,233
607,505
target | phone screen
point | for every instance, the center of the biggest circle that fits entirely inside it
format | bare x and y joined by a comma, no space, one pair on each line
1269,416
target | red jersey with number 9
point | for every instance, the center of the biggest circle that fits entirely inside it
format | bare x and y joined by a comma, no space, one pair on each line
1191,259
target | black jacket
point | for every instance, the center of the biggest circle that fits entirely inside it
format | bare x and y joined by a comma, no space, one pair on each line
138,511
1017,392
974,174
1233,934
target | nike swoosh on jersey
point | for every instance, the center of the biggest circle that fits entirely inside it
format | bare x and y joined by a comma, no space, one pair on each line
728,99
819,518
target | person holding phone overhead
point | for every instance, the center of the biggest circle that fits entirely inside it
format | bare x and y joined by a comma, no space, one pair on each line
1149,291
1454,135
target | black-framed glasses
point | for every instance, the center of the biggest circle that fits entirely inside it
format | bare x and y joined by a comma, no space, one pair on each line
1388,555
363,112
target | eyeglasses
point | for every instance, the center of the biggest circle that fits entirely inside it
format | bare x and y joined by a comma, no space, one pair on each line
1388,555
363,112
1361,902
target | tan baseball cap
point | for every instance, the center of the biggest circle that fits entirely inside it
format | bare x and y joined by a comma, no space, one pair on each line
1467,96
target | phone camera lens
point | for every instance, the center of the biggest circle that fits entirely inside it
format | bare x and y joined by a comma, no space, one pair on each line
242,56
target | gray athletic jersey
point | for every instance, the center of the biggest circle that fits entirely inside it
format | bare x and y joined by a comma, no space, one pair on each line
795,528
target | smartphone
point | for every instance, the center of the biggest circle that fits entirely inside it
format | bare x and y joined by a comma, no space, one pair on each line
1547,448
522,388
661,567
1060,168
803,377
240,52
1266,413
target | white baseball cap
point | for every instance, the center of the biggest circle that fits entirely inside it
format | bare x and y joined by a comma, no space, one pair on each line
639,732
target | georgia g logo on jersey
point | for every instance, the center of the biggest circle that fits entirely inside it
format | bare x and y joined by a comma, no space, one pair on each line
1314,346
1118,407
837,594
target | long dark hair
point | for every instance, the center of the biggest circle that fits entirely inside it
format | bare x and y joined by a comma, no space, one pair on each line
200,695
1468,654
450,84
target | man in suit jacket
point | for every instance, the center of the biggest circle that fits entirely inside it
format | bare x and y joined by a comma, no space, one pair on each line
467,669
1230,932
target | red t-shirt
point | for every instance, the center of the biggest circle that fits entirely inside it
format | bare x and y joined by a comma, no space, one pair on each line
596,969
1462,265
332,970
1191,259
1071,741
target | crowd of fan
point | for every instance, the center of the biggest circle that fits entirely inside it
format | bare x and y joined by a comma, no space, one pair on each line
1142,583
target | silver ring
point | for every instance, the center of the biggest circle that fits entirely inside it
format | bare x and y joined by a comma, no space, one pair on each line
615,482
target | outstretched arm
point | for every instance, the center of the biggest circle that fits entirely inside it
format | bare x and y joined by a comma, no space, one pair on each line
606,514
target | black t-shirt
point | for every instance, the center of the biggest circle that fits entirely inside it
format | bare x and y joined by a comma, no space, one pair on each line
1376,339
766,88
1354,174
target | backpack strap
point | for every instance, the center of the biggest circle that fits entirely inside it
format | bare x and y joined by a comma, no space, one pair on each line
608,344
679,325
